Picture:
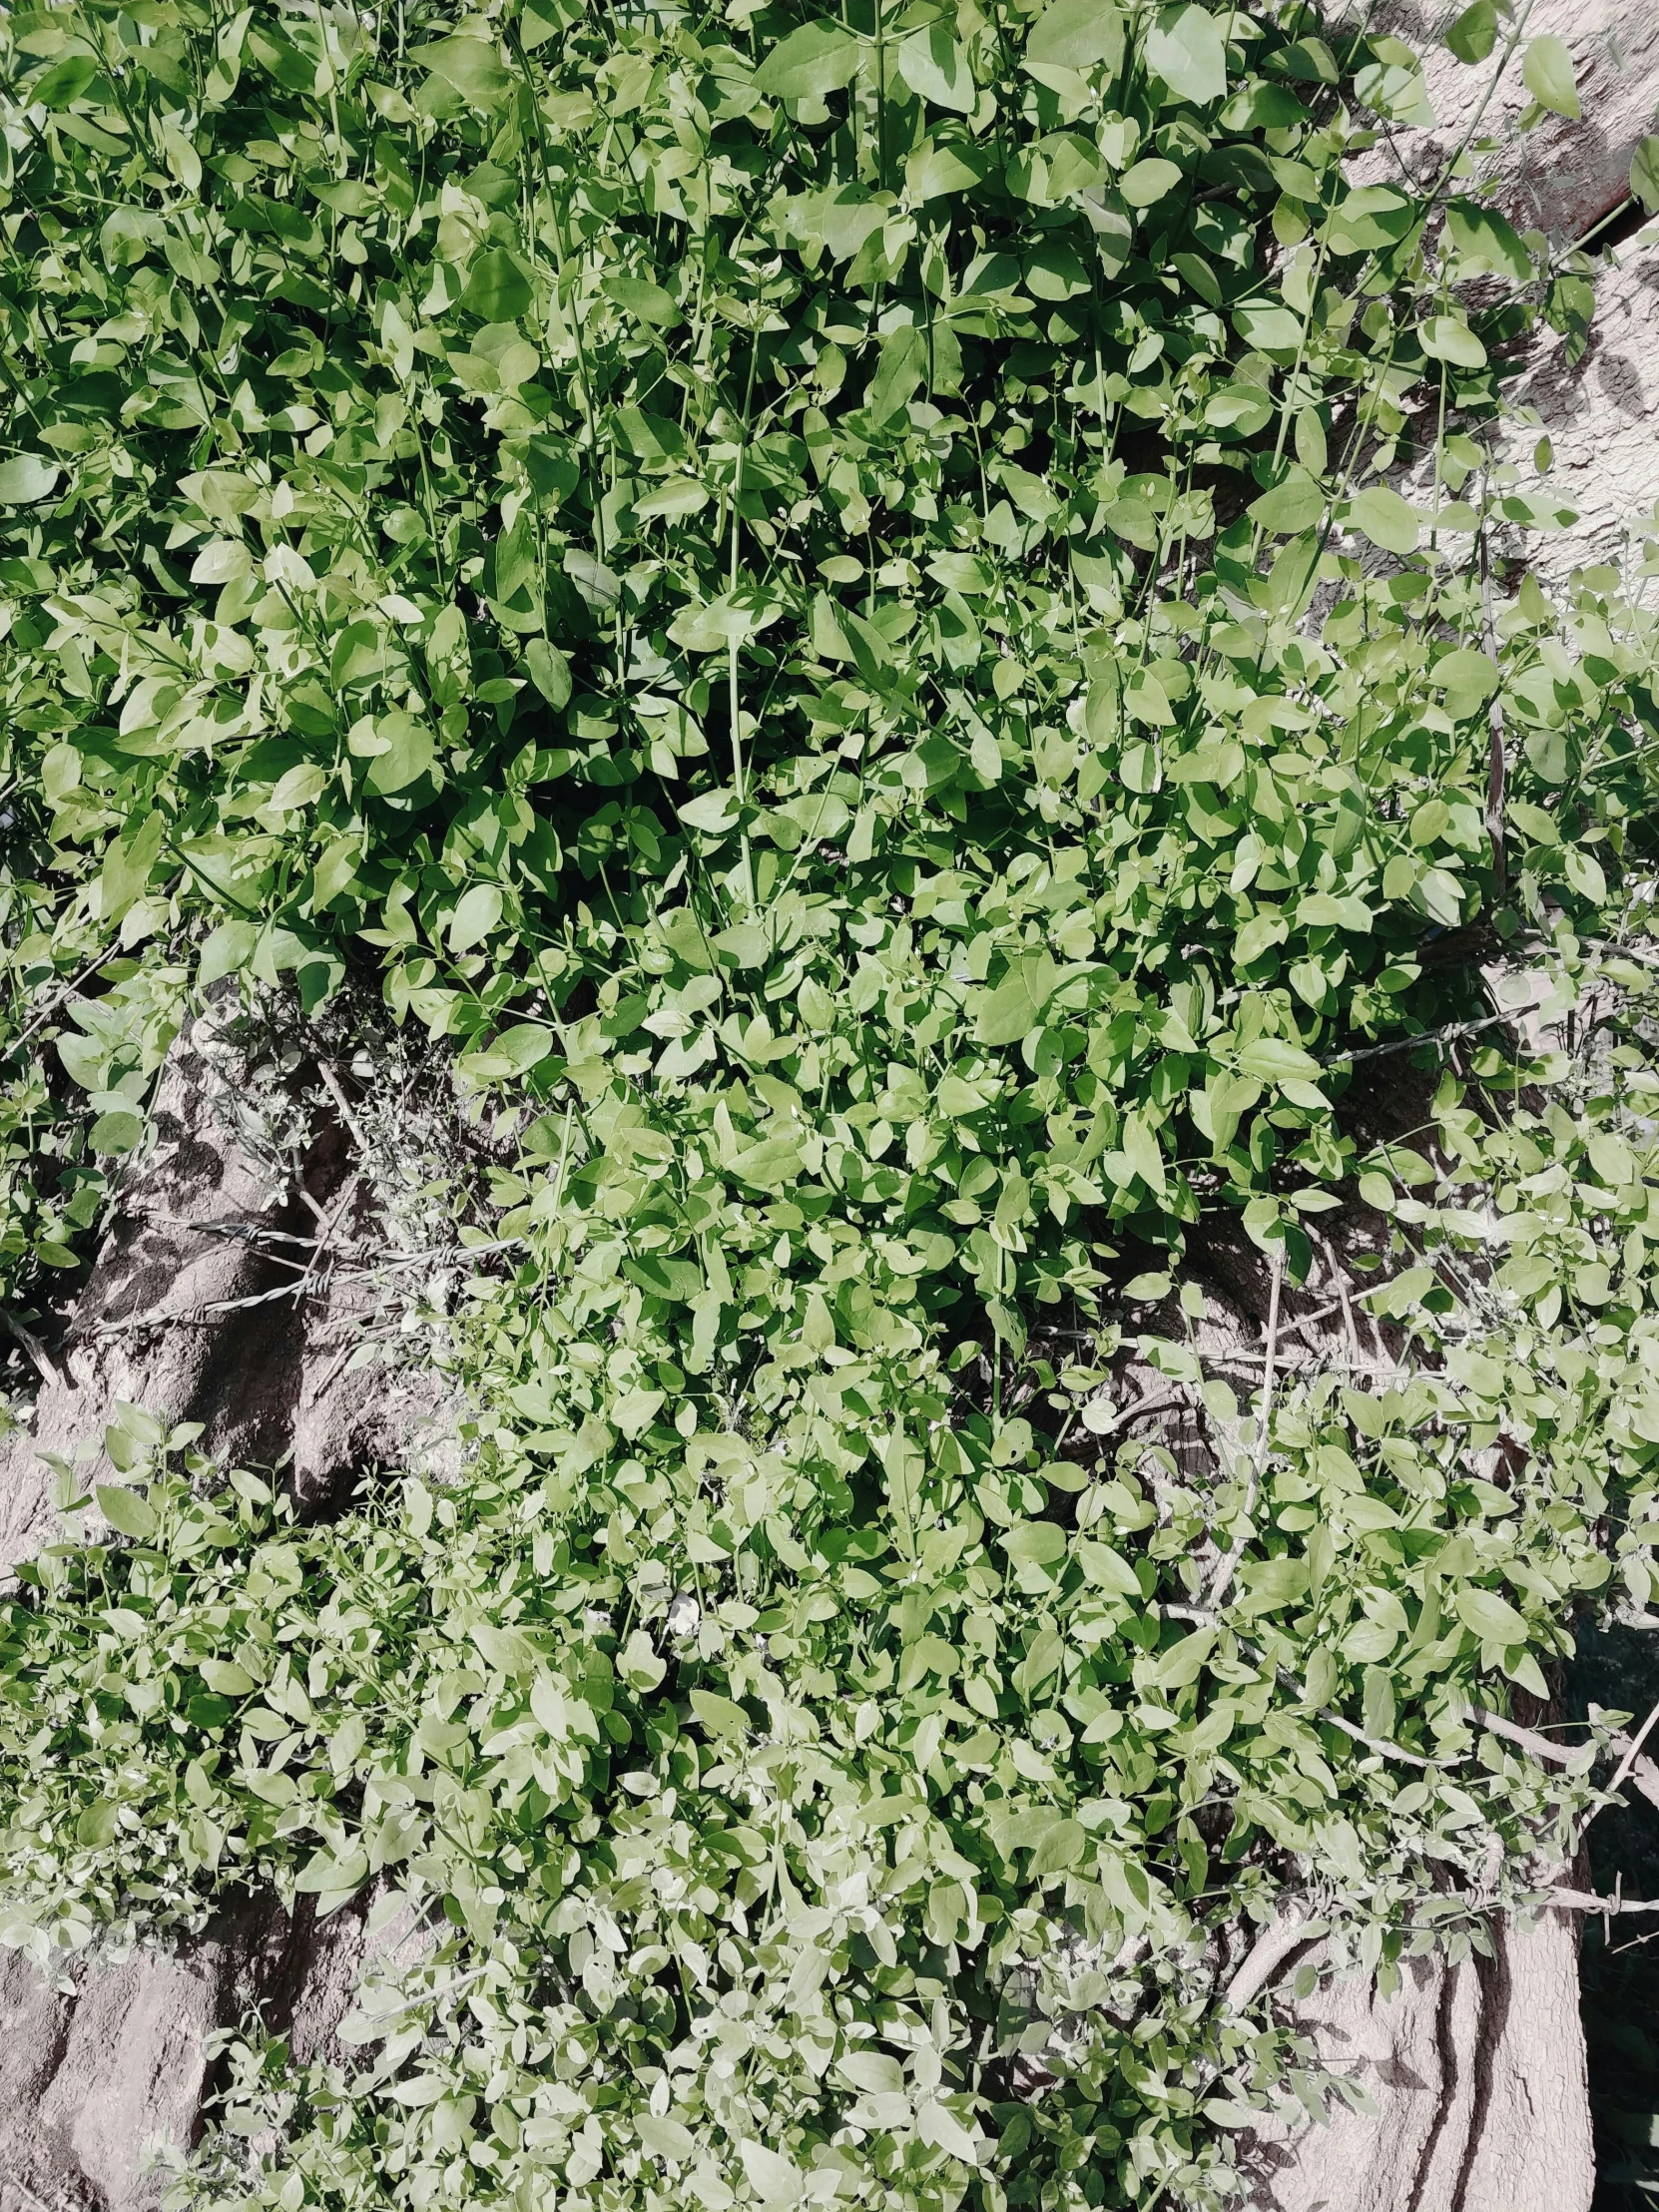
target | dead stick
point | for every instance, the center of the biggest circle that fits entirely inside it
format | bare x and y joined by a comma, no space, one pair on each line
28,2195
1540,1746
41,1358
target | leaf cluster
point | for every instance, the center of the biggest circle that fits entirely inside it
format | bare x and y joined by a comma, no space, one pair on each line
897,626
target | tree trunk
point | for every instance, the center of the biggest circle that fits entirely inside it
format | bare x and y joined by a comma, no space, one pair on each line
1477,2085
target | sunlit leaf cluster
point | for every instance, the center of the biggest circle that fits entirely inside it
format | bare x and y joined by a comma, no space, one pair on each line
909,632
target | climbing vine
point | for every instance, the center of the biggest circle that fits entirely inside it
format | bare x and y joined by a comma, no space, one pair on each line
912,632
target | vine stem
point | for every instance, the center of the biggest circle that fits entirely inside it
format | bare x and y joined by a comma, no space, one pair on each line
62,999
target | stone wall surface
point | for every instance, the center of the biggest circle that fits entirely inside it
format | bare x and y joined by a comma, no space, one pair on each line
1562,177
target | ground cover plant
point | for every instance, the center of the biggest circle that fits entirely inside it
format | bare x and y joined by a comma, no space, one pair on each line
827,601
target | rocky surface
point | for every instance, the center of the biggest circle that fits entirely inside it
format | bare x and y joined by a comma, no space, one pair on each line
1562,177
219,1297
104,2074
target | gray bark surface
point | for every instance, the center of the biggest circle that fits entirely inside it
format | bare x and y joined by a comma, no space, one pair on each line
1477,2076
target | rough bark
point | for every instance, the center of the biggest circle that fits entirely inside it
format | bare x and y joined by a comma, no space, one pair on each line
189,1312
1475,2076
1566,179
111,2061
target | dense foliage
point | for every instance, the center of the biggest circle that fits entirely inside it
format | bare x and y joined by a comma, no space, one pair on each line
826,597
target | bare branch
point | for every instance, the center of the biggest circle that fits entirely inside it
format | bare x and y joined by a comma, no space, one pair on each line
1561,1755
56,1004
1284,1933
1633,1752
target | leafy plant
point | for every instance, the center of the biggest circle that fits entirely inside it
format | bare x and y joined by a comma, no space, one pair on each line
831,601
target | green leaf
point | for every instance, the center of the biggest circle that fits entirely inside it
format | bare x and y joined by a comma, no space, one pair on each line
1106,1569
1583,871
935,171
1269,1585
1485,244
646,301
221,561
409,752
497,289
665,2138
1185,47
26,479
935,68
1377,1702
872,2071
639,1665
1491,1617
1386,519
1475,33
127,1511
127,865
63,82
775,2179
473,65
549,671
1076,34
1469,678
508,1650
1016,1006
226,1678
225,951
476,917
324,1874
520,1047
1267,325
1549,75
98,1824
1034,1543
818,58
1644,174
719,1715
1370,219
937,2124
1060,1845
1295,504
1276,1060
1148,181
899,372
714,814
723,622
1447,337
